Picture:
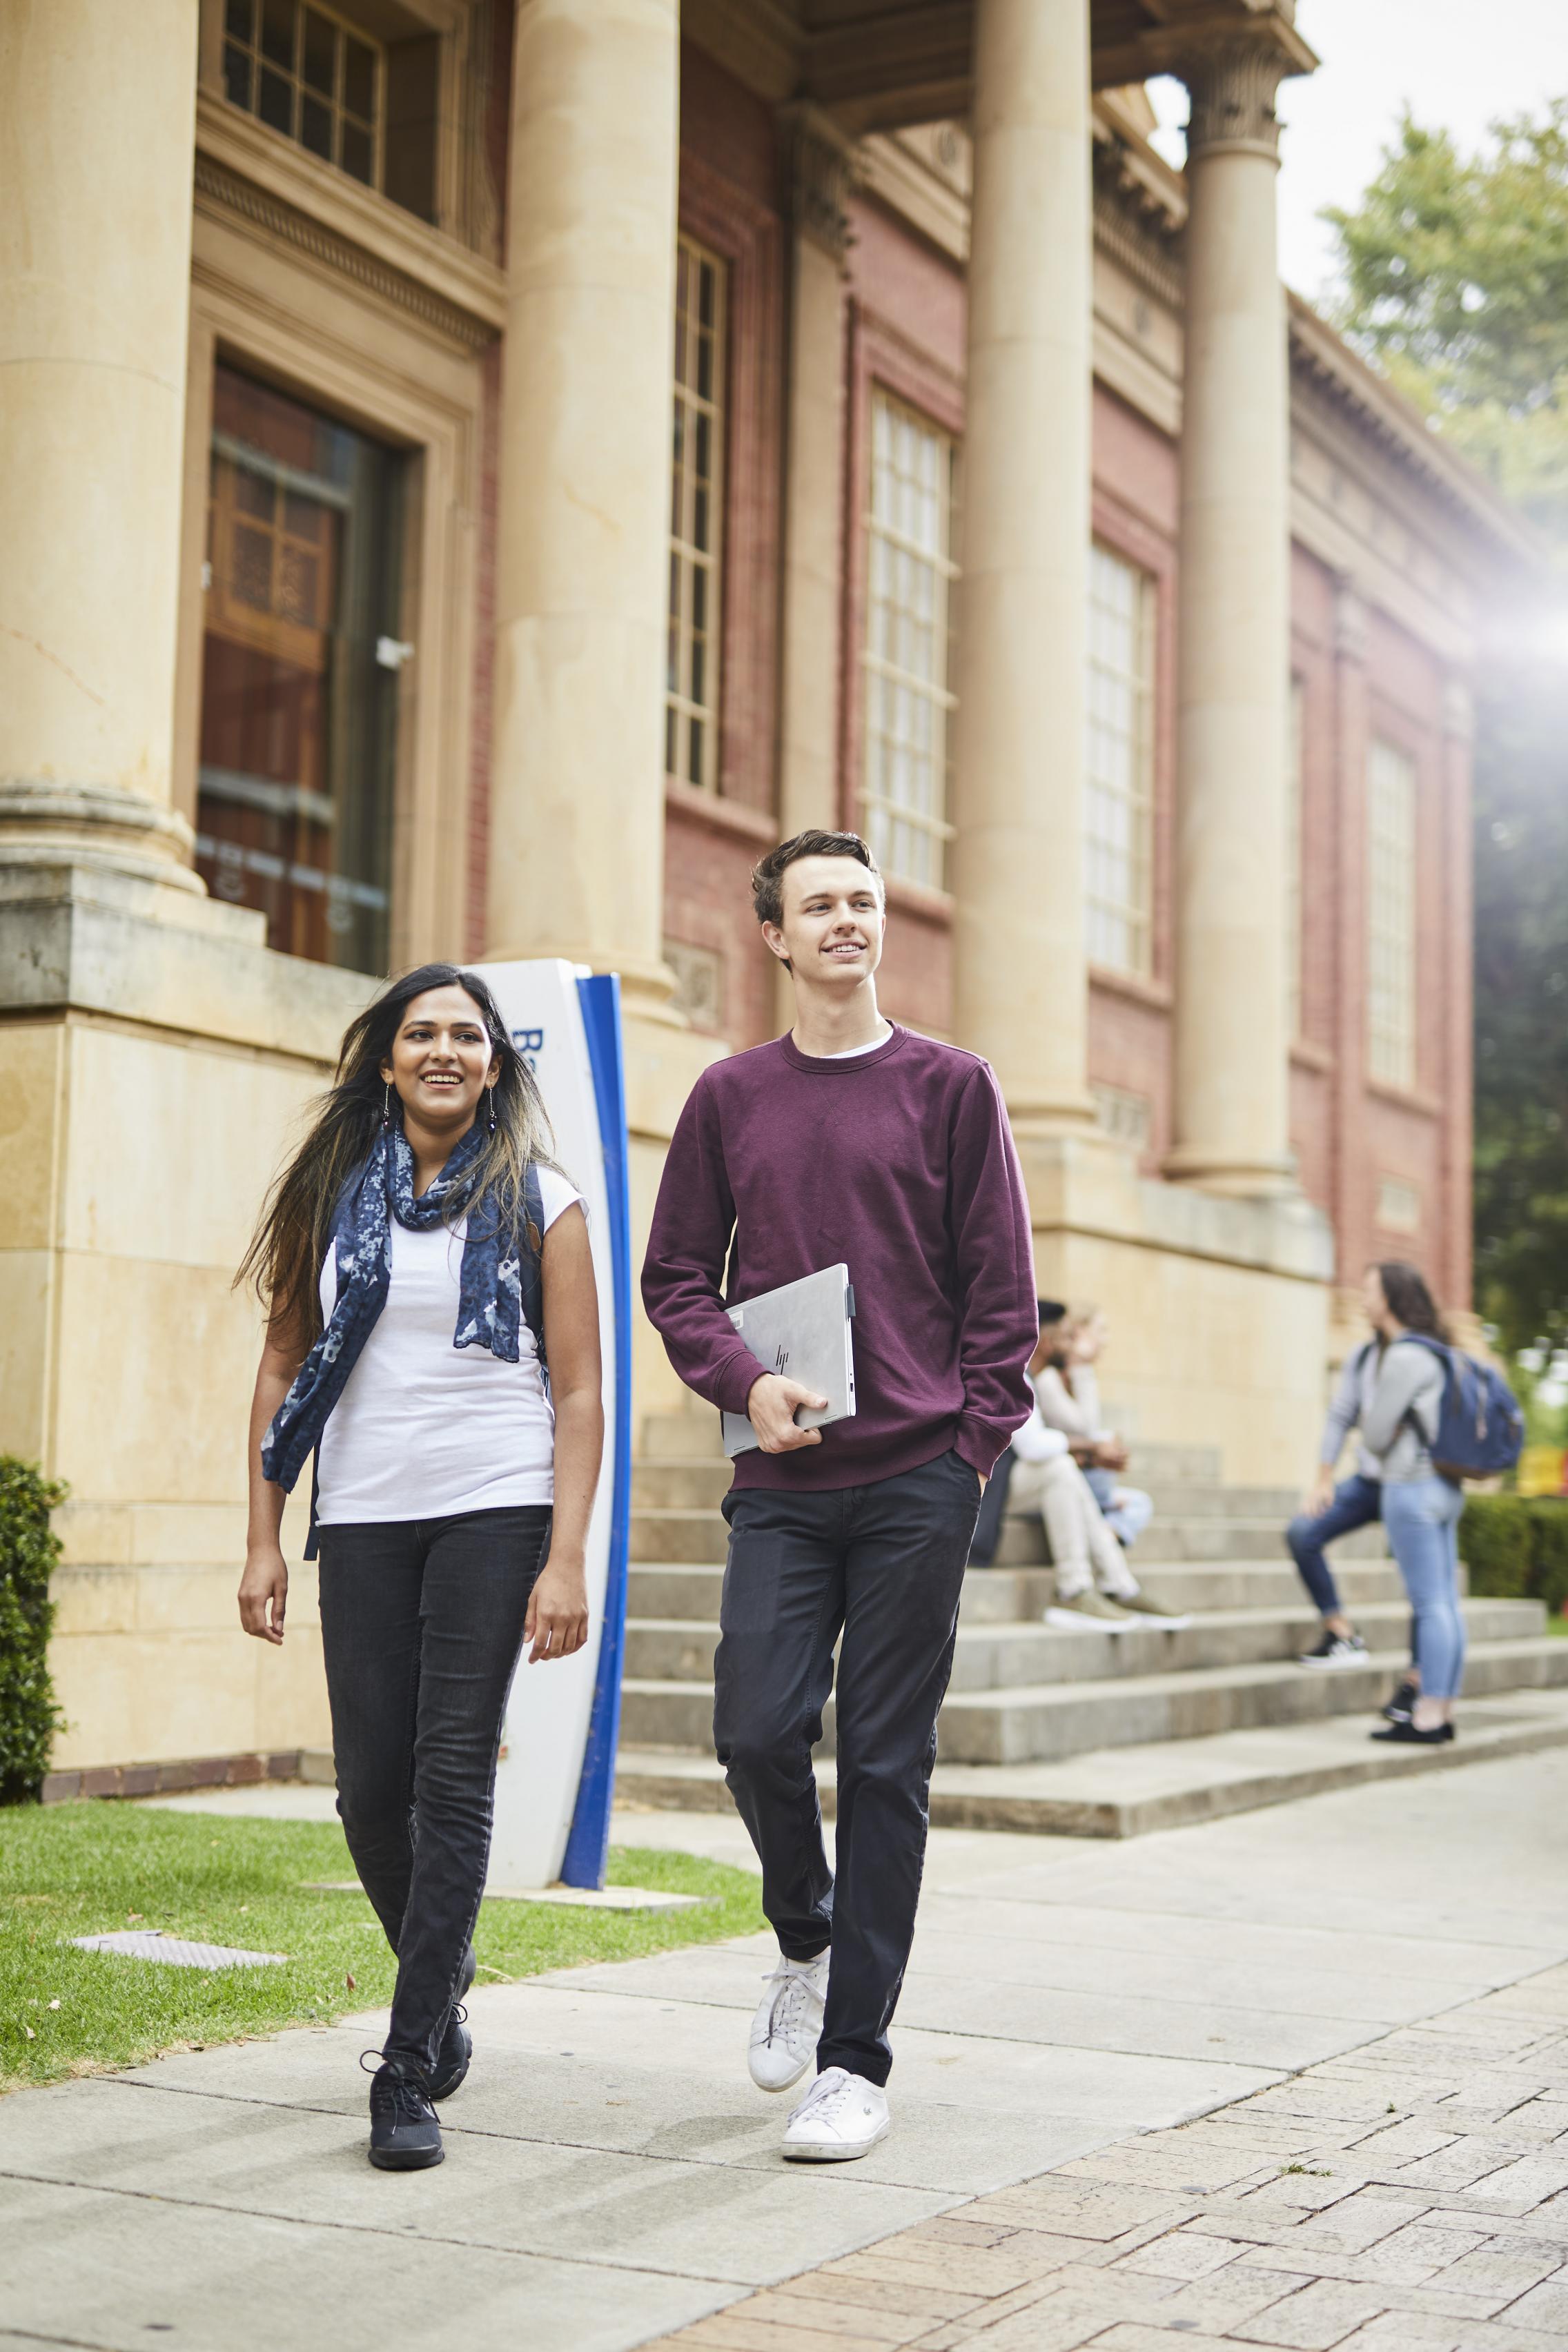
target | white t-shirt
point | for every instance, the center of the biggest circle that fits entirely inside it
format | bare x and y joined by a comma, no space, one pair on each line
424,1430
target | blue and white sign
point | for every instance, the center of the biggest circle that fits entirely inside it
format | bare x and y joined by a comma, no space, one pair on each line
556,1775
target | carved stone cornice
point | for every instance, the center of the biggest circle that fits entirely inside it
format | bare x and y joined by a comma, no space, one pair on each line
1231,82
224,192
1133,225
825,171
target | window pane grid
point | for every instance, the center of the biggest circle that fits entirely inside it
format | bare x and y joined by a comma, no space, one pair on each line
696,519
305,73
1391,915
905,657
1118,812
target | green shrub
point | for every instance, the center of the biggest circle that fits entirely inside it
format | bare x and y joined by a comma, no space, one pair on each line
1549,1554
1495,1544
28,1550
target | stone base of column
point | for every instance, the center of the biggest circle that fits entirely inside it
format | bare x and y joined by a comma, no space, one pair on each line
1219,1307
159,1056
1247,1179
96,826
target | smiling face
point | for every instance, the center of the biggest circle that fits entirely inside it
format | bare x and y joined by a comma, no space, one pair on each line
441,1060
833,922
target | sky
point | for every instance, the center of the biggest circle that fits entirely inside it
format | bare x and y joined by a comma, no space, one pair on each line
1459,63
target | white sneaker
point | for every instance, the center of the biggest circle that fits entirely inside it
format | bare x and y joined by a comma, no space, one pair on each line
841,2116
787,2026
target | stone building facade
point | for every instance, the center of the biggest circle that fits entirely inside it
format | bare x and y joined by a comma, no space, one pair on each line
354,610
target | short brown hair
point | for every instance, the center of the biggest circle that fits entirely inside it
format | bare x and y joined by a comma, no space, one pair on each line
767,874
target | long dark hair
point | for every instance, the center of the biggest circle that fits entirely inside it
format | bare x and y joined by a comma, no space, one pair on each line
1408,1301
295,1227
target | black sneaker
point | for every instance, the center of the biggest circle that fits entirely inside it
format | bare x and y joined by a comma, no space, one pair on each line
1401,1707
457,2049
1336,1650
1407,1734
404,2135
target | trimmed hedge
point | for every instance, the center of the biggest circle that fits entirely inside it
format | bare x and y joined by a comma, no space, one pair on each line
28,1550
1516,1549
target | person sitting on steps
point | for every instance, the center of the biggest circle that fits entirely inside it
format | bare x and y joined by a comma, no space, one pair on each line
1068,1389
1095,1587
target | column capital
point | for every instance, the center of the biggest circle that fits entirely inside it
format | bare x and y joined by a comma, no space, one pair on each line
1231,81
825,170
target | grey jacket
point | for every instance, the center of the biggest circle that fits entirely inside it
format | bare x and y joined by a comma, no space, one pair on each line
1352,1403
1399,1424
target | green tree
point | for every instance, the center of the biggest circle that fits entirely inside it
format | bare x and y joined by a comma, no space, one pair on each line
1455,270
1522,1004
1457,285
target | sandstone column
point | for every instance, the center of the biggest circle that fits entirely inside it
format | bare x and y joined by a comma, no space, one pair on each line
97,122
1233,655
822,176
576,859
1020,992
813,518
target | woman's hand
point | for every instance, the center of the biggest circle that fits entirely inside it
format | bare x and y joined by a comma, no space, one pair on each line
557,1620
264,1593
1318,1495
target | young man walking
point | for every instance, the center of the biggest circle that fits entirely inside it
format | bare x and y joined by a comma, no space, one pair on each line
851,1139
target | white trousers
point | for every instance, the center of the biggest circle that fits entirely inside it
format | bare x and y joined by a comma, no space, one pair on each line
1083,1549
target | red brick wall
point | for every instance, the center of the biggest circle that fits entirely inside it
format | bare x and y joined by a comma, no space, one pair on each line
729,202
709,853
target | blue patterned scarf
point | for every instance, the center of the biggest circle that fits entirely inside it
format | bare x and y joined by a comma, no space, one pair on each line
497,1289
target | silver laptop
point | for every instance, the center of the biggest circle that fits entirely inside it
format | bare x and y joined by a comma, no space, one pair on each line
801,1332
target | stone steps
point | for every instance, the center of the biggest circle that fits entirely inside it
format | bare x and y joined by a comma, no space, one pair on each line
699,1535
1018,1596
1043,1722
1095,1732
1001,1656
1161,1785
701,1485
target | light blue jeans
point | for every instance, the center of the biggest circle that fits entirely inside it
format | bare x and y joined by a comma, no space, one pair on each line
1422,1516
1126,1511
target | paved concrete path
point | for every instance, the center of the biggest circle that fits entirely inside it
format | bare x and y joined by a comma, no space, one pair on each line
1409,2196
613,2176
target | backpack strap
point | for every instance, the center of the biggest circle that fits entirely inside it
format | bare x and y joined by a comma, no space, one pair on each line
1444,1355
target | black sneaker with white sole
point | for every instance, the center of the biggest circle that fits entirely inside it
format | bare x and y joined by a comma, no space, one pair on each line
457,2049
404,2135
1336,1650
1401,1707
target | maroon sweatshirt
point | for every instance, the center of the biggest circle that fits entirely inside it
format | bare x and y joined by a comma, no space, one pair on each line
900,1162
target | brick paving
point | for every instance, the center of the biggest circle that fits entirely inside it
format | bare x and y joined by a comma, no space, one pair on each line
1411,2197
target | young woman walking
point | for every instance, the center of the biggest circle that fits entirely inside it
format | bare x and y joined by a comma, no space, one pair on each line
421,1260
1420,1507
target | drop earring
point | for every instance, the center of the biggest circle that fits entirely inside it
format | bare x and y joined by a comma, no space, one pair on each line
491,1092
387,1108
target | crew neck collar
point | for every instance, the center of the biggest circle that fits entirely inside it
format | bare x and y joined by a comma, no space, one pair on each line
833,1066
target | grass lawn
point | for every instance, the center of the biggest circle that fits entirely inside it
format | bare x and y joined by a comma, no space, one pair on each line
89,1869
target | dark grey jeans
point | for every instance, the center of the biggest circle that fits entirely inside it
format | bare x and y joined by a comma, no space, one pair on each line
421,1626
882,1564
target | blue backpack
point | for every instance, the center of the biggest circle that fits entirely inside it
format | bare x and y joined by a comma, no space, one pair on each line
1480,1427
